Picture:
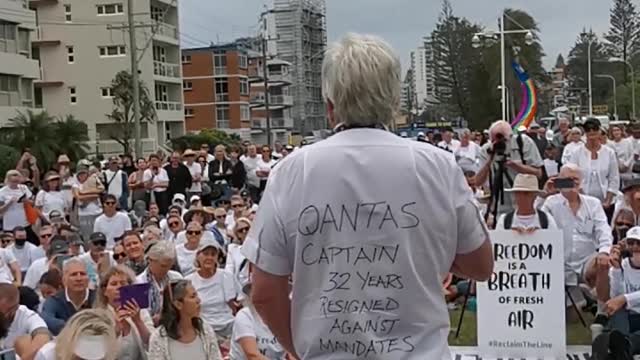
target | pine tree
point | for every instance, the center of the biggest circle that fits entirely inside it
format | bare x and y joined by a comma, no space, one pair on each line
624,31
560,61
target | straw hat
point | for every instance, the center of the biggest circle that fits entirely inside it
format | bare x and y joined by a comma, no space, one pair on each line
206,212
189,152
525,183
63,159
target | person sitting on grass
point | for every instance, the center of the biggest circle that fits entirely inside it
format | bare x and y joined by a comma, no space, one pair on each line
623,308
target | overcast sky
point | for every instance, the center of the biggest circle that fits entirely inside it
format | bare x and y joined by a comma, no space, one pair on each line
401,22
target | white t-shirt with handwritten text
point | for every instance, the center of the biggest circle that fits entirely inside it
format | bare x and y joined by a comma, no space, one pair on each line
368,244
249,325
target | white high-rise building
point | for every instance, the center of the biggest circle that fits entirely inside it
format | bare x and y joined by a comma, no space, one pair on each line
423,69
18,69
83,44
296,31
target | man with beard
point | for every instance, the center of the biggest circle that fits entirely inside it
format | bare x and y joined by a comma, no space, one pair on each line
20,328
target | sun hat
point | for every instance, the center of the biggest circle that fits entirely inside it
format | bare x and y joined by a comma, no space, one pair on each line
633,233
180,197
52,176
206,242
189,152
524,183
63,159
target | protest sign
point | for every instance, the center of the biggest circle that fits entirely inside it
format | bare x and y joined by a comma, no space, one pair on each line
521,309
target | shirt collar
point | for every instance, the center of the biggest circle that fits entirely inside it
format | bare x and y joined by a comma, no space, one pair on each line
86,296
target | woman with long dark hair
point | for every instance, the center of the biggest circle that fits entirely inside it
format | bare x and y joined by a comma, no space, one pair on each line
182,334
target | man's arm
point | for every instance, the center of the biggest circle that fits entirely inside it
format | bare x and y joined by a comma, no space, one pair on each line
29,348
476,265
17,273
49,315
270,296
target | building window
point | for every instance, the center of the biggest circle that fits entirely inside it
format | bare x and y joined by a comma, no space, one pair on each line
245,113
242,61
244,87
73,99
67,12
113,51
188,112
8,83
157,14
110,9
71,58
107,92
220,64
187,85
222,90
222,117
186,59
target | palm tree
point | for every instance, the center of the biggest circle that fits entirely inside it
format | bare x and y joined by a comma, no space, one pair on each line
34,131
72,136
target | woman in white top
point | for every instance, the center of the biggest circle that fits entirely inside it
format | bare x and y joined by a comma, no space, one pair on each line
87,193
186,252
575,141
468,149
132,323
599,165
237,264
89,334
623,147
216,289
251,338
182,334
51,197
12,196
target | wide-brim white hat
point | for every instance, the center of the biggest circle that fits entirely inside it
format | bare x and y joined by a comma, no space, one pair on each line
524,183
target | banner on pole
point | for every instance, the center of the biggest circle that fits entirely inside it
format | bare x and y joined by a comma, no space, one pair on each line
521,309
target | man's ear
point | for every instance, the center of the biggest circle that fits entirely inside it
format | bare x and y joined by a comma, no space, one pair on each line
331,115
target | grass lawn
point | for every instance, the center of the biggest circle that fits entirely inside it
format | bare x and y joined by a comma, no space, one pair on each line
576,333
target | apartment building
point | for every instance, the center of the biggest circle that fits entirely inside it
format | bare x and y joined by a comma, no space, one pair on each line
224,90
423,69
18,69
216,89
83,44
279,79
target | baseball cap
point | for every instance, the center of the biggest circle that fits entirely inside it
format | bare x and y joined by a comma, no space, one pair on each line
58,247
193,198
97,236
207,243
633,233
180,197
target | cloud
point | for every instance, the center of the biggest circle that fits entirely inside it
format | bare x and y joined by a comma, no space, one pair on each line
401,22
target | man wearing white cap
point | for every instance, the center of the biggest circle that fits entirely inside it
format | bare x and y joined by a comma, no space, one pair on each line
525,217
195,170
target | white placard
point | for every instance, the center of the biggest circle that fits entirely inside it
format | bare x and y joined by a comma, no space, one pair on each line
521,309
551,167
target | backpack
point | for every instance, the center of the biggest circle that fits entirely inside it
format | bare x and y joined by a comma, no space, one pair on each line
542,217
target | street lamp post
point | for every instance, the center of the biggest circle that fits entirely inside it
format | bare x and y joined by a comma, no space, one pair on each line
633,84
589,71
615,98
477,42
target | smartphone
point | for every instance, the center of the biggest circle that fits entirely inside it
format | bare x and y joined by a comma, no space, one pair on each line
21,198
137,292
60,259
564,183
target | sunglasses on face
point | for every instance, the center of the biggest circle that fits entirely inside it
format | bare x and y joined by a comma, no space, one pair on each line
174,223
194,232
109,203
118,256
622,224
224,203
236,206
46,236
243,230
6,241
220,217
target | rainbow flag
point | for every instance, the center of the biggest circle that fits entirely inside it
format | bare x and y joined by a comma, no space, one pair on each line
529,105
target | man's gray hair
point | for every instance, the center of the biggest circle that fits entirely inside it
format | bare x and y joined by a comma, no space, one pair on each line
70,262
162,250
361,77
465,132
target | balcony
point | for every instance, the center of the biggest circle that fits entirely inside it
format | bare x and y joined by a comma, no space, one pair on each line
167,72
281,100
280,78
45,81
256,74
220,70
41,2
167,32
168,106
112,147
41,40
276,123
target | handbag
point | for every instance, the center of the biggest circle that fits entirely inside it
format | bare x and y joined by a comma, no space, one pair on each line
31,213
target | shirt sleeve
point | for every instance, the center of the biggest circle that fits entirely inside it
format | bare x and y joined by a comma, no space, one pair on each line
531,153
617,282
266,245
30,279
602,229
614,173
243,326
9,257
39,202
472,229
146,176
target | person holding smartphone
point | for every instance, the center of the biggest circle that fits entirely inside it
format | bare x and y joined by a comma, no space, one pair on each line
156,182
13,196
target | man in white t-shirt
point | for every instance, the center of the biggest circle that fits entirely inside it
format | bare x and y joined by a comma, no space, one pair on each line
362,241
525,218
448,143
195,170
116,182
18,321
12,198
112,223
25,252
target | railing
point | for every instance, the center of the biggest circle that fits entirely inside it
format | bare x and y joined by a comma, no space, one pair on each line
287,78
220,70
167,30
259,123
222,97
166,69
222,124
255,72
277,123
283,100
257,98
168,105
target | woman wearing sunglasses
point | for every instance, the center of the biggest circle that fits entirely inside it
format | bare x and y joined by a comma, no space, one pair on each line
119,255
236,262
186,252
182,334
216,288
